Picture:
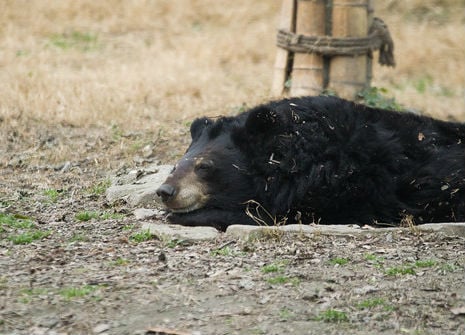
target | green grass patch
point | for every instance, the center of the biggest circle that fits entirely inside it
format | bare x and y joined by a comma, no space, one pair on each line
137,145
422,84
119,262
52,194
339,261
82,41
376,261
28,236
77,292
87,215
425,264
370,303
100,188
332,316
376,97
274,267
20,229
116,132
15,221
409,268
373,258
400,270
373,303
141,236
175,242
226,251
96,215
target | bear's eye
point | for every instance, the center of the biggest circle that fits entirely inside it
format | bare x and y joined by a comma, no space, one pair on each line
204,165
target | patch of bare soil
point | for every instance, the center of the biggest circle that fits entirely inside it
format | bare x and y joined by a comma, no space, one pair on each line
92,271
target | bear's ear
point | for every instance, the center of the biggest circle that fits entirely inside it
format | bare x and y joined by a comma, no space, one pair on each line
197,127
261,120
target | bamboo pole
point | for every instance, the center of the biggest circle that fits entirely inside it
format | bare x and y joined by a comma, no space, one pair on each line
369,75
283,57
308,69
348,74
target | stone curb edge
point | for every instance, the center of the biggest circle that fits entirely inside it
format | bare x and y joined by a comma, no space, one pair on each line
195,234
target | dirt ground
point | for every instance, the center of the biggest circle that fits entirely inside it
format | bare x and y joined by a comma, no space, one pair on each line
91,88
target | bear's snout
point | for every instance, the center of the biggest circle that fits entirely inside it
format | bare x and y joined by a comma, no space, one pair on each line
165,191
183,191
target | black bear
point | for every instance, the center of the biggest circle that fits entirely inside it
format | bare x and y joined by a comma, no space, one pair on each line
318,160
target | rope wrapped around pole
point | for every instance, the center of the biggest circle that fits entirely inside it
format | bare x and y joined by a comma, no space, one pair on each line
378,38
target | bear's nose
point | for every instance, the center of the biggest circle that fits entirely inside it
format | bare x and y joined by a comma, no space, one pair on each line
165,191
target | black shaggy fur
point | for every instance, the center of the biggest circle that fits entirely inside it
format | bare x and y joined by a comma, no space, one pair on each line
328,161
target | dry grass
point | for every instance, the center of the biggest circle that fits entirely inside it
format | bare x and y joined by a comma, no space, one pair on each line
430,52
151,60
141,63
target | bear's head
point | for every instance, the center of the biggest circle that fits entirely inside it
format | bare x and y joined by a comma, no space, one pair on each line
231,161
212,172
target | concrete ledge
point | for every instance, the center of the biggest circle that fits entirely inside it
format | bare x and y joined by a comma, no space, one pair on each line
246,232
196,234
450,228
186,234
